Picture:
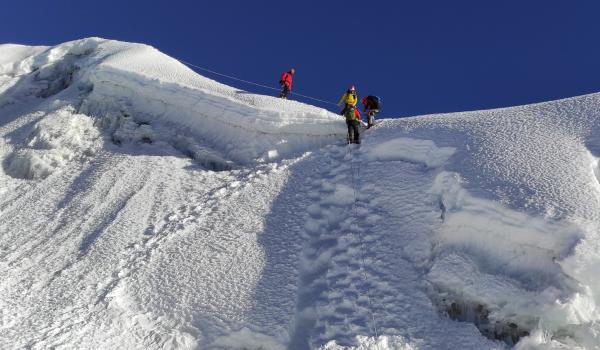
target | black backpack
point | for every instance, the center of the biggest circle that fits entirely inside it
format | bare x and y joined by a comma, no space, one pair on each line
376,102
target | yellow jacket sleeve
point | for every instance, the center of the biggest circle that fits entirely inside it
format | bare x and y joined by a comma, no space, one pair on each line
342,100
350,99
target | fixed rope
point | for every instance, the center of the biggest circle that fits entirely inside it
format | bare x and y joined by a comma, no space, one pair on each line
362,245
251,82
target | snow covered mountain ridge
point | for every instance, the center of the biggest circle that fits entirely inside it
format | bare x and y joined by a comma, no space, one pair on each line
145,206
118,77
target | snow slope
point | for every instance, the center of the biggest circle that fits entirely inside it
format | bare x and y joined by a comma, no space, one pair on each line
145,206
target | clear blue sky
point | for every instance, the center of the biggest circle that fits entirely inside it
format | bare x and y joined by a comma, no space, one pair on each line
419,56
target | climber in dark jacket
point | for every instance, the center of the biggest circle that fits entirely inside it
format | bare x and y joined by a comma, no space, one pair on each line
372,105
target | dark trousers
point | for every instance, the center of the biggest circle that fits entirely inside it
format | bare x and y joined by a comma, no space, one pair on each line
284,93
353,134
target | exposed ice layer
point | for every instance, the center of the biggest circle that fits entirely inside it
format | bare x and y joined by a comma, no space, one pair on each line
241,132
411,150
517,245
141,81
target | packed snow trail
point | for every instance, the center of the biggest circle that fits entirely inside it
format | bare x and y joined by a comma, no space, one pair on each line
334,297
143,206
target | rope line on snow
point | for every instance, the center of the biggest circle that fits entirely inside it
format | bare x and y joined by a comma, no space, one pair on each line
251,82
362,245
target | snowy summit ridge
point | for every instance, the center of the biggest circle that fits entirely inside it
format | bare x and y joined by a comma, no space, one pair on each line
145,206
123,77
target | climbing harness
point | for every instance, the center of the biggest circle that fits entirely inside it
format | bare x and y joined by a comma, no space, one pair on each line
251,82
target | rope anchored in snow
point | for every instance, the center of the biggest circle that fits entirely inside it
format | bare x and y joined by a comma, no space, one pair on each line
251,82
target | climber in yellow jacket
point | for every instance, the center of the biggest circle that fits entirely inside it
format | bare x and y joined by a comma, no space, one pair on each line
349,98
349,101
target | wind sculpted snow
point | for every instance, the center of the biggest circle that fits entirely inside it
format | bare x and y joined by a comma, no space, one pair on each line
143,206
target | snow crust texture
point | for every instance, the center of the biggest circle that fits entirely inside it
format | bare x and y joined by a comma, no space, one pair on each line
143,206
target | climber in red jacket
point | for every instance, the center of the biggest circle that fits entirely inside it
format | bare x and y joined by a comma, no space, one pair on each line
286,83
